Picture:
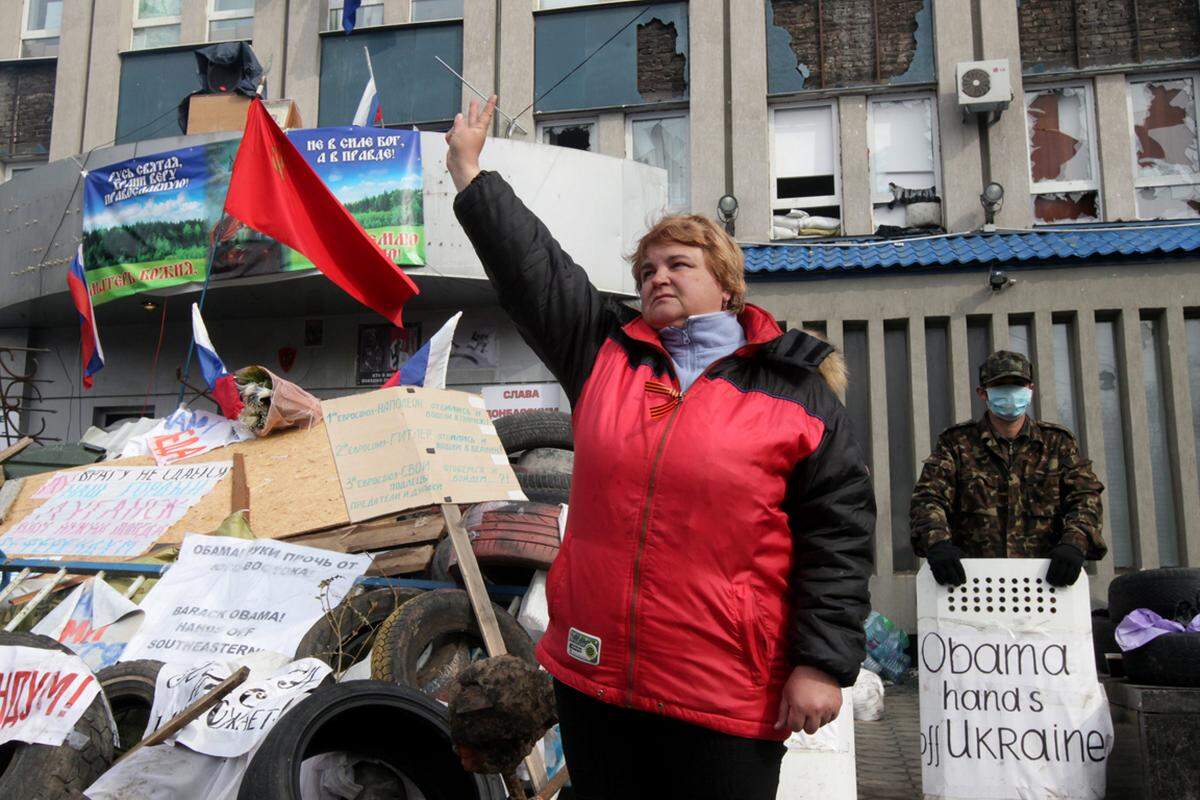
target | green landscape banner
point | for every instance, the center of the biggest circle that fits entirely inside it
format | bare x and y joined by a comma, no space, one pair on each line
147,221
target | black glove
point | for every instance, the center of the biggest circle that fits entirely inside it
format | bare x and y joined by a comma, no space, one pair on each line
945,561
1066,560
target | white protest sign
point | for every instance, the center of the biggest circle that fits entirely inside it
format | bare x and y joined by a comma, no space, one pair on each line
513,398
237,723
95,621
186,433
43,693
228,597
1010,704
112,512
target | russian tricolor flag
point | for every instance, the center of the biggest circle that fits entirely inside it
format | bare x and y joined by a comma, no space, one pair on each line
369,112
92,354
220,382
427,366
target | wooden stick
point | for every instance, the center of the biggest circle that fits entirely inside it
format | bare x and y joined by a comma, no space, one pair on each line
192,712
485,615
12,450
556,783
239,496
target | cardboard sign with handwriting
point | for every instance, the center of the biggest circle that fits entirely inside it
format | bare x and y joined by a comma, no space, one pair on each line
407,447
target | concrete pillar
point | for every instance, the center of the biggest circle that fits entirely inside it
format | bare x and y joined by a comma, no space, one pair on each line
880,467
1007,148
998,323
304,58
479,49
856,165
397,12
836,336
516,65
112,23
919,394
1179,404
706,79
1045,370
1113,127
610,134
193,22
1091,433
12,21
750,142
270,34
71,81
959,366
962,170
1142,511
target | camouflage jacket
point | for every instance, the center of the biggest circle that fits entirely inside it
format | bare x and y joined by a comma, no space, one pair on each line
1007,499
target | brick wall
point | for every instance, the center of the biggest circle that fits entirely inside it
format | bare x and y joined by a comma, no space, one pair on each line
849,57
1108,32
26,109
661,71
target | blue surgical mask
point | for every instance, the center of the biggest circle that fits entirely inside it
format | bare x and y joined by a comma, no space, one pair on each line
1009,402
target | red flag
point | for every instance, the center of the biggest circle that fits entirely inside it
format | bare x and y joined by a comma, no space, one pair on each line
275,191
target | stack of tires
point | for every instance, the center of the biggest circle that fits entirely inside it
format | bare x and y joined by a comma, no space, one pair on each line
1172,659
541,446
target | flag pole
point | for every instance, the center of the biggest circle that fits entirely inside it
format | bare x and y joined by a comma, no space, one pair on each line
212,252
371,72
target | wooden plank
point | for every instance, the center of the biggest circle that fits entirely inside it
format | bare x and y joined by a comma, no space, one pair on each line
239,495
192,712
13,449
403,561
377,535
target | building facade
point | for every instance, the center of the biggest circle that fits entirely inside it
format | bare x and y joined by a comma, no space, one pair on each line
818,116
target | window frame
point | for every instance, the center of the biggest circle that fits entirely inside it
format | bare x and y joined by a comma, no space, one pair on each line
1062,187
338,5
433,19
676,113
935,141
574,4
823,201
153,22
41,33
552,122
212,15
1161,180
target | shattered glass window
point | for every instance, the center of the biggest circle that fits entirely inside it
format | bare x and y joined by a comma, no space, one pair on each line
903,161
1062,158
805,197
577,135
1166,151
664,142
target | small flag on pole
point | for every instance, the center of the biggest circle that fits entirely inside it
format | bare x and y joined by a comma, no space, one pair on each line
275,191
220,382
427,366
92,354
369,112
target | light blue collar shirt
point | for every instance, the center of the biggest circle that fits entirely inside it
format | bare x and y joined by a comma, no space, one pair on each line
702,340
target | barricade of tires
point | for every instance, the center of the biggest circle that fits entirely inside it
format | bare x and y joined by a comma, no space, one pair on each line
1172,659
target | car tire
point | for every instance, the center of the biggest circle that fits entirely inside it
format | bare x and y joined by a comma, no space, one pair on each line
42,772
548,459
529,430
1172,659
397,725
129,687
343,636
1162,591
544,487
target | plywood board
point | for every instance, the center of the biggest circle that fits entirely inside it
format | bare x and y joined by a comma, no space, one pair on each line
291,477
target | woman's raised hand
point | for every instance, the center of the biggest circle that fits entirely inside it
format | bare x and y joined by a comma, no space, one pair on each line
466,140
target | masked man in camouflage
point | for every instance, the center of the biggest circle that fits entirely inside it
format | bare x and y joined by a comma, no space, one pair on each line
1006,486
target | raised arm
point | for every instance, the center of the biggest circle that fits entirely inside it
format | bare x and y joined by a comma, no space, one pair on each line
558,312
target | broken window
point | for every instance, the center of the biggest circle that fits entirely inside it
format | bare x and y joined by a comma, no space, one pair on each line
1063,174
663,140
576,134
805,198
1166,154
904,162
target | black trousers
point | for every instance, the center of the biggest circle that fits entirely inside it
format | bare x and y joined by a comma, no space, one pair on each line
616,753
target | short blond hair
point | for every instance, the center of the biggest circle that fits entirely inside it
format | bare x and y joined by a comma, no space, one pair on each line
722,255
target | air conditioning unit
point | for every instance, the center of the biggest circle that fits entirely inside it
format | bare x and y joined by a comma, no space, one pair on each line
983,85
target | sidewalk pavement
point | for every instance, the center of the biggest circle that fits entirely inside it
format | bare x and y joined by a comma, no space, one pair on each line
888,751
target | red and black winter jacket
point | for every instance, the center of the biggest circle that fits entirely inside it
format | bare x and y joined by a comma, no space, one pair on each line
715,539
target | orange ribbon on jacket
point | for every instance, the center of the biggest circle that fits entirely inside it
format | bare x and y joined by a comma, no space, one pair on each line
673,395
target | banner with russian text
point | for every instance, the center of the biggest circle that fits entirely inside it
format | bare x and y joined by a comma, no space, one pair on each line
147,220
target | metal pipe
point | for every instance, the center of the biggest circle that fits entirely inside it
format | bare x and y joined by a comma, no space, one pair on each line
512,120
37,598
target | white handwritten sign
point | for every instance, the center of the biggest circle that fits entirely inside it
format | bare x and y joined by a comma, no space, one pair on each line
233,726
228,598
43,693
407,447
112,512
1010,704
95,621
187,433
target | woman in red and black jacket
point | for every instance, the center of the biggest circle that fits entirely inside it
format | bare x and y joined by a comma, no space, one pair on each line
712,585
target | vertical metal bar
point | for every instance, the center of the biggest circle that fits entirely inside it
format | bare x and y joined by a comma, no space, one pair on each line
133,587
821,40
37,598
14,583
